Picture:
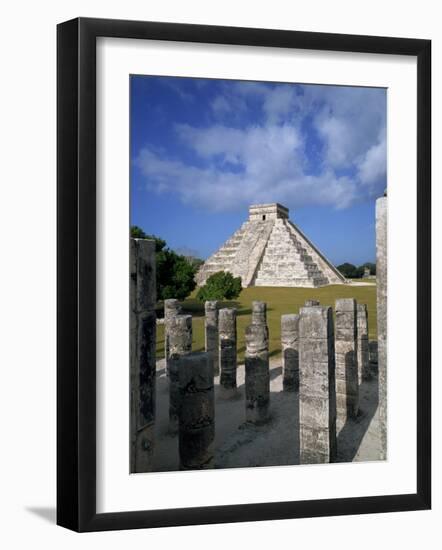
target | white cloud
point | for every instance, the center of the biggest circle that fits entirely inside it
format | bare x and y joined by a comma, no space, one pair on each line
257,149
349,120
270,170
277,101
337,137
372,168
267,161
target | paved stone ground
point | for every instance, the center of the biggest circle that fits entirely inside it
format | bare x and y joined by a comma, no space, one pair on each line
276,443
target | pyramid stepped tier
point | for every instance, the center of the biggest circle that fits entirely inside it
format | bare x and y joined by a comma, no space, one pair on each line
286,262
269,250
333,275
251,249
222,260
239,254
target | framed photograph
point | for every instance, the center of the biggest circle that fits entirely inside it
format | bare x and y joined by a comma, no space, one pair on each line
243,274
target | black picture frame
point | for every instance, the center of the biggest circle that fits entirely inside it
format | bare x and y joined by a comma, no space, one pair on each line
76,274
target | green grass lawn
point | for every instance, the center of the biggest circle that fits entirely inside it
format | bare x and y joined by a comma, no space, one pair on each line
279,301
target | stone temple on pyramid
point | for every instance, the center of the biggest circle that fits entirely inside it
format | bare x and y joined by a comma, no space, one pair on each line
269,250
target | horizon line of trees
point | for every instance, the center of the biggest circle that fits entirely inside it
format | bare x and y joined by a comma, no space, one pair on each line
351,271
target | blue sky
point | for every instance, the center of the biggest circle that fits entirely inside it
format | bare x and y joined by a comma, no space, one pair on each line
203,150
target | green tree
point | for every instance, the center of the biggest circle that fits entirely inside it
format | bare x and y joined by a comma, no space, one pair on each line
175,274
353,272
348,270
359,272
191,256
137,233
220,286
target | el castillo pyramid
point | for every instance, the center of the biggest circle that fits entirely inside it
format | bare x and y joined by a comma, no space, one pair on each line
270,250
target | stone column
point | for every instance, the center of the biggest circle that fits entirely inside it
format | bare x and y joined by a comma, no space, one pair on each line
227,351
346,349
180,344
290,352
317,397
197,411
142,353
373,355
363,356
257,374
171,309
211,332
310,303
381,289
259,313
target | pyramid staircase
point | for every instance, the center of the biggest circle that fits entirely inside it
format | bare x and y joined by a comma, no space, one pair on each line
222,260
286,262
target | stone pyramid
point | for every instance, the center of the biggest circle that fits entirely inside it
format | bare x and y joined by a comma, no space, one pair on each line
270,250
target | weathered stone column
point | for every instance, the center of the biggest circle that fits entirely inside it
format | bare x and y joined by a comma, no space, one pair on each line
373,355
197,411
257,374
211,332
290,352
381,289
227,351
310,303
180,344
317,397
171,309
142,353
346,349
259,313
363,356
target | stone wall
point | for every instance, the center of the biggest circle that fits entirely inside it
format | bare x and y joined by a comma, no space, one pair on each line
265,212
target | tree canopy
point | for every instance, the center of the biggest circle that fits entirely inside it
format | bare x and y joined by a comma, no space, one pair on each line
175,273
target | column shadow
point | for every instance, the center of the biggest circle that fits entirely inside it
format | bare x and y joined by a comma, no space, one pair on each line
352,433
275,372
